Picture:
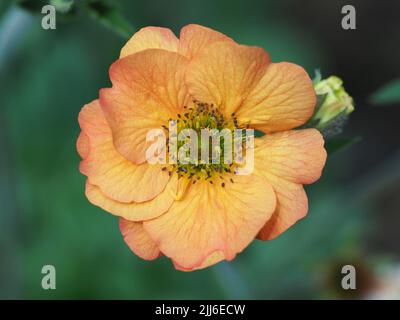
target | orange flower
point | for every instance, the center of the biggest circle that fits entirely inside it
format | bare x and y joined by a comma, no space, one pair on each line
209,215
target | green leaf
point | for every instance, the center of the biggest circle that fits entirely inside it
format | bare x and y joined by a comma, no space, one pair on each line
63,6
334,145
110,16
389,93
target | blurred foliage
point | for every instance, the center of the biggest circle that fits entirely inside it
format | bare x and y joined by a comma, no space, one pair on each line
48,220
103,11
335,144
63,6
110,16
32,5
388,94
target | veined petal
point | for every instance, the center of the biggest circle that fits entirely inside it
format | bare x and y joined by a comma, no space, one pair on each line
288,160
212,259
148,89
194,38
118,178
225,73
133,211
213,218
283,99
138,240
150,38
298,155
291,207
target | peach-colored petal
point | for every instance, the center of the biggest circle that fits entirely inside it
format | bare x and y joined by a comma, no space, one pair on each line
194,38
134,211
212,259
225,74
298,155
118,178
138,240
148,89
282,100
150,38
288,160
291,207
213,218
82,145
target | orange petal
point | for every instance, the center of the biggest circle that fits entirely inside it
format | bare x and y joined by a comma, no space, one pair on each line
150,38
138,240
212,259
133,211
291,207
282,100
148,89
288,160
194,38
298,155
225,73
213,218
118,178
82,145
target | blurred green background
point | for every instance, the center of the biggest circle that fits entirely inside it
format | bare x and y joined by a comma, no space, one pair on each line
47,75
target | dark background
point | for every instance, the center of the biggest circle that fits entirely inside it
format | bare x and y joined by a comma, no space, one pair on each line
47,75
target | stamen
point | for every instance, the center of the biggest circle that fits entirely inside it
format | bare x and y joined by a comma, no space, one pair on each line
198,116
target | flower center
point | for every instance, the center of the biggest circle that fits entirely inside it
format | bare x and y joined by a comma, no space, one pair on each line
205,144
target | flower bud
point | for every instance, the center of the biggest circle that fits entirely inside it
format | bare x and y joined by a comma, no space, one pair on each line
336,101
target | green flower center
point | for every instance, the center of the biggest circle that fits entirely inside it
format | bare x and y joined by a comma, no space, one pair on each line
202,143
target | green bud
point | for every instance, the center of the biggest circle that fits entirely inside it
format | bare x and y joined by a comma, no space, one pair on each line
335,101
